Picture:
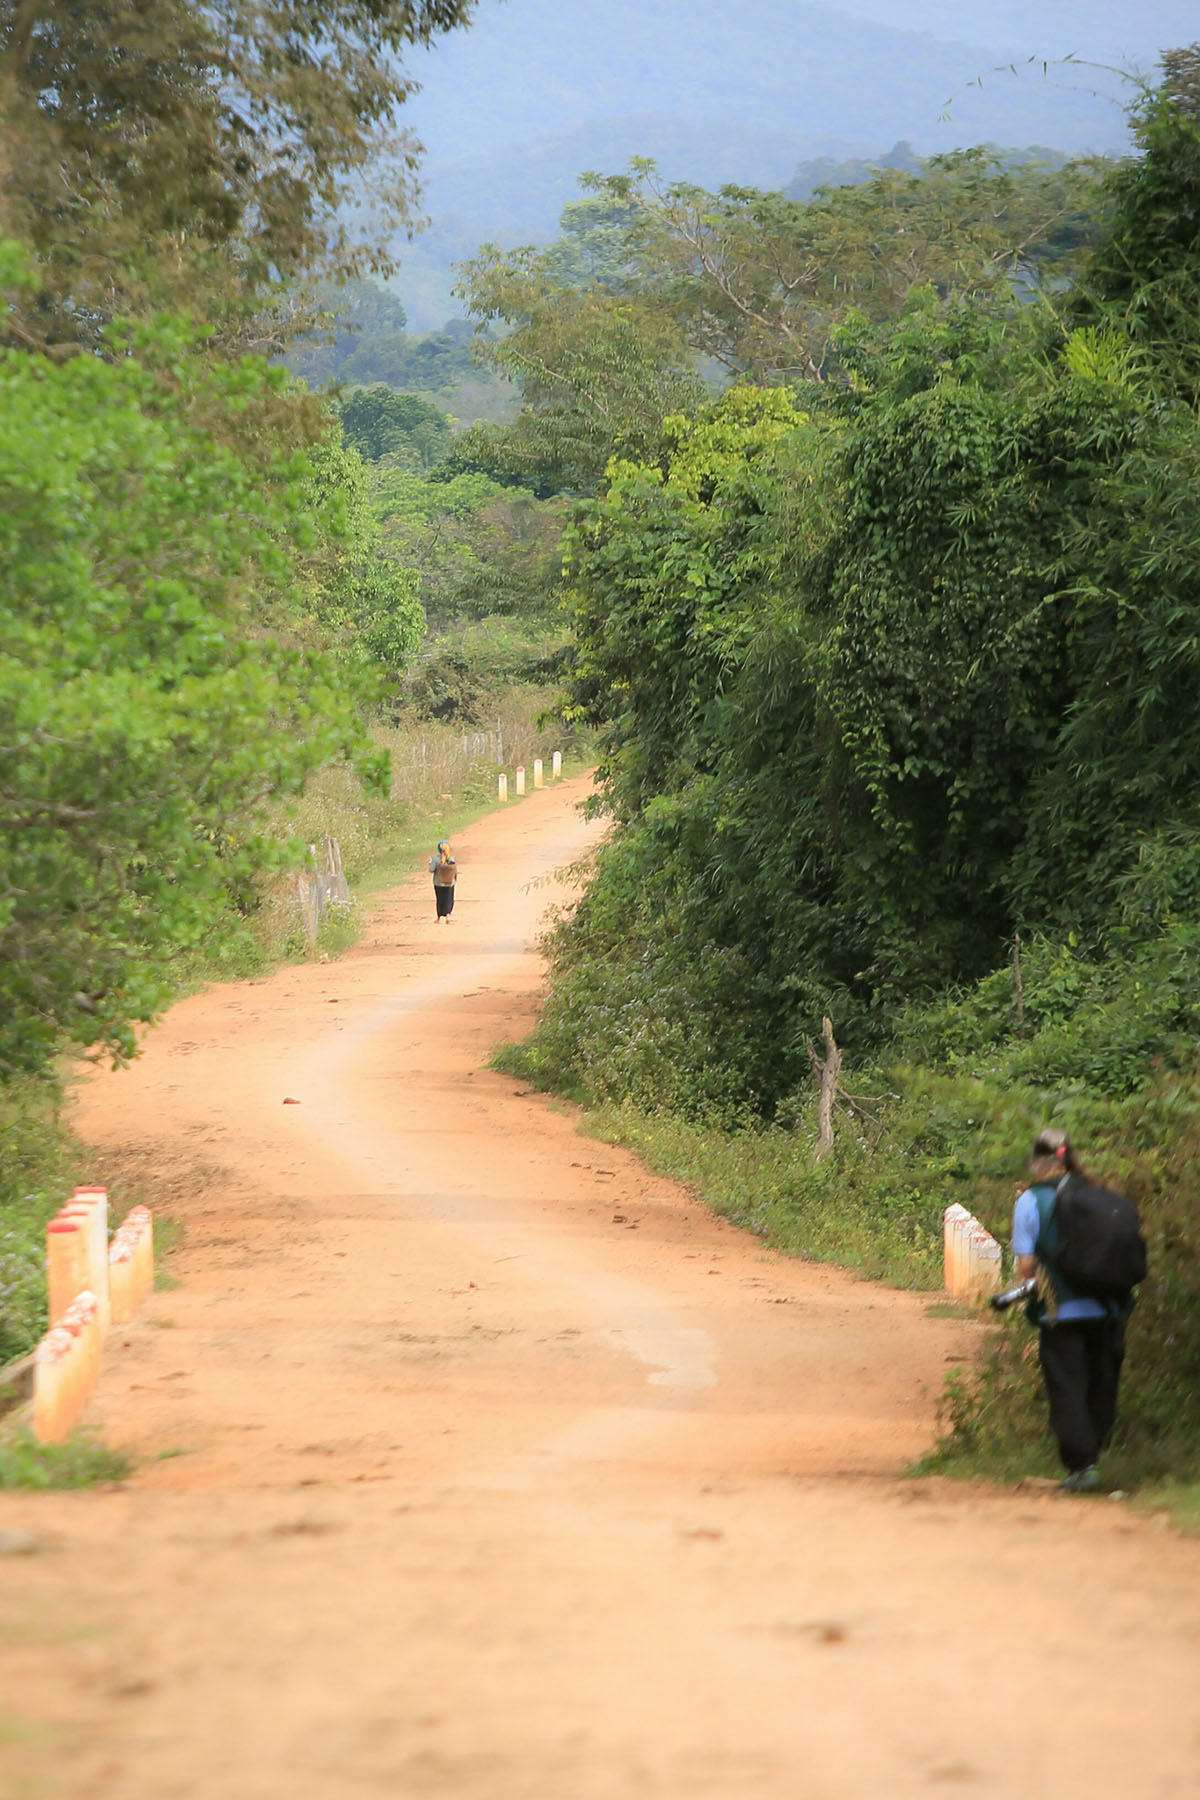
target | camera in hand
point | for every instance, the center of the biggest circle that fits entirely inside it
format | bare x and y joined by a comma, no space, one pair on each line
1013,1296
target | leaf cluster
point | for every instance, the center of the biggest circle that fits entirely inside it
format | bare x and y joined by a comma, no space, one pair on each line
154,697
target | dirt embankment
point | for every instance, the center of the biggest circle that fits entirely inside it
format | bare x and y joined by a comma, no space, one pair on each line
477,1462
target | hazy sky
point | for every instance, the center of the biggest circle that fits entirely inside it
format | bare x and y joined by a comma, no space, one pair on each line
527,68
1104,29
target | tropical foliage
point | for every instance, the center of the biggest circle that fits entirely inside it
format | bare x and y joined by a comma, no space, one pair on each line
148,707
891,674
894,662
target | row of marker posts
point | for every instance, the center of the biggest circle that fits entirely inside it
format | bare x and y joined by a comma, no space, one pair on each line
90,1285
539,775
973,1258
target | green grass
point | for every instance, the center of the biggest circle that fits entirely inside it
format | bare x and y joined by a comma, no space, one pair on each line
765,1180
39,1165
168,1236
1179,1499
79,1463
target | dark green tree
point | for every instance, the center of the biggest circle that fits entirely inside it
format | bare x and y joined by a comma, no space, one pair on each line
378,422
1145,273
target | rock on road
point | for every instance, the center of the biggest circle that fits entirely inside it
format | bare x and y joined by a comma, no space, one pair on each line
474,1461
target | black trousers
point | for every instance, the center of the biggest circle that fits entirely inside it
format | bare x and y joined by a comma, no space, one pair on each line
1081,1367
445,899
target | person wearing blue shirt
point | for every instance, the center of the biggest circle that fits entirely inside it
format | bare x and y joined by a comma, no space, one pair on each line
1081,1340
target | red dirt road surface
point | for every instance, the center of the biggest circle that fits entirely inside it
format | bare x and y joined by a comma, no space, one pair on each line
476,1462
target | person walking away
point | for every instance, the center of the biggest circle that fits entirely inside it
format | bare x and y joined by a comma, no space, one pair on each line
444,870
1084,1244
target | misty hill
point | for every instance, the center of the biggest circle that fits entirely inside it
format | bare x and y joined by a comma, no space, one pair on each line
529,69
536,91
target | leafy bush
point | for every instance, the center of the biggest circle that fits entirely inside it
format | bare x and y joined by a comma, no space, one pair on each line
1109,1022
148,711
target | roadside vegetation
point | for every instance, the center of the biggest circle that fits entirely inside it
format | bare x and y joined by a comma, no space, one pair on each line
891,648
80,1463
221,642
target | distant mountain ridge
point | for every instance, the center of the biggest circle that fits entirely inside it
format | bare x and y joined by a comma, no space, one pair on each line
514,109
531,68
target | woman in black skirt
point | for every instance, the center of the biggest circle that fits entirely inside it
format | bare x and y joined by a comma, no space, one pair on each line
444,870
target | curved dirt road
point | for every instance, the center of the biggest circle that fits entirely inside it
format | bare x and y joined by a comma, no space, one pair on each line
507,1473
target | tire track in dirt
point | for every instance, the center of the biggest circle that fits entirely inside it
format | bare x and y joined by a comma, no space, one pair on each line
508,1473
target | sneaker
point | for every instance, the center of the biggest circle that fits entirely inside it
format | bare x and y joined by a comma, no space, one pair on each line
1081,1481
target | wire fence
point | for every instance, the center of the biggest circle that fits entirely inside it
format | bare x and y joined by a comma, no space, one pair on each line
321,885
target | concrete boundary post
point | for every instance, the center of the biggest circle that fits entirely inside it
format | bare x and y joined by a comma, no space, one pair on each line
971,1258
96,1200
90,1283
65,1369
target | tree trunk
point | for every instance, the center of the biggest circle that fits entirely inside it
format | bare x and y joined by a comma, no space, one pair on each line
827,1073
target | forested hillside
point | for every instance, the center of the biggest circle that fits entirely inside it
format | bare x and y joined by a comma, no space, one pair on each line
893,650
514,109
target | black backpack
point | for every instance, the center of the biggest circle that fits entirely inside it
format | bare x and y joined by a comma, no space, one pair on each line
1100,1252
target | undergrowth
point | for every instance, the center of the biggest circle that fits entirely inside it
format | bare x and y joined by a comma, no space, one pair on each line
79,1463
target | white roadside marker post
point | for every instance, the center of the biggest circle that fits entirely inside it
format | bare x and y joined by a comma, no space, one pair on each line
950,1221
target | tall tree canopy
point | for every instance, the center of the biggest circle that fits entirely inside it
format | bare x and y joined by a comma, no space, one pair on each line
655,290
172,152
885,682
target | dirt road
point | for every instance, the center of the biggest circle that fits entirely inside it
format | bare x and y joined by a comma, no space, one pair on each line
476,1462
